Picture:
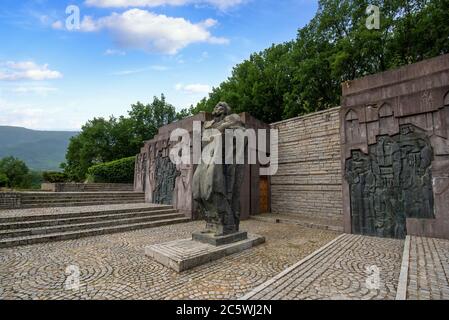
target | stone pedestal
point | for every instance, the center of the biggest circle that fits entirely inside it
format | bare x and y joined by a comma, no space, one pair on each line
211,238
182,255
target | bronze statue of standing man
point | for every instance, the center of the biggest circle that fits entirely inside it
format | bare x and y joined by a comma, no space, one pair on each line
217,184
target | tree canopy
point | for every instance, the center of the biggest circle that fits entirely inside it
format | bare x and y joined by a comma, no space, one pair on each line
305,75
14,173
103,140
289,79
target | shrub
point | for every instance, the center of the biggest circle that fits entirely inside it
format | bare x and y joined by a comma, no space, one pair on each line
3,180
16,171
119,171
55,177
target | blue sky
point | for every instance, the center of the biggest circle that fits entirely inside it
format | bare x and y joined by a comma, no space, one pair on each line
124,51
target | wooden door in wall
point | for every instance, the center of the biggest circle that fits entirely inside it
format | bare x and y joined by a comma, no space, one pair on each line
264,195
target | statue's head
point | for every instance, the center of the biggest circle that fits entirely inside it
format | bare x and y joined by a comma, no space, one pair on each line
406,129
356,154
221,109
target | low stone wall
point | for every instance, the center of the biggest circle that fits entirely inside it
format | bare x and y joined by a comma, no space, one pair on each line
85,187
309,176
10,200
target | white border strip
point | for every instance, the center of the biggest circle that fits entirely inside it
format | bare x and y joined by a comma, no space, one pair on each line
288,270
401,293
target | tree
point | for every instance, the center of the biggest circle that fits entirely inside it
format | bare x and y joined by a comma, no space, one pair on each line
16,172
104,140
257,86
146,120
4,181
305,75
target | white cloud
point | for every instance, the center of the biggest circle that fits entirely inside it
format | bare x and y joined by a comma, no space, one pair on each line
27,70
39,90
135,71
221,4
57,25
28,116
112,52
145,30
195,88
159,68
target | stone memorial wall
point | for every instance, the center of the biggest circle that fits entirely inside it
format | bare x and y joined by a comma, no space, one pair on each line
380,162
165,183
395,152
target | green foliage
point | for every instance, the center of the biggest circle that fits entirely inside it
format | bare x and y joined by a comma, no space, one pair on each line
118,171
4,181
104,140
16,171
54,177
305,75
286,80
36,179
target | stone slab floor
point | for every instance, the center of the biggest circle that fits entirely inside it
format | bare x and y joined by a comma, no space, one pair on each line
351,268
115,266
428,276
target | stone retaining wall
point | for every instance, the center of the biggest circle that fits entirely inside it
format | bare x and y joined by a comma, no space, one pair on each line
10,200
309,176
85,187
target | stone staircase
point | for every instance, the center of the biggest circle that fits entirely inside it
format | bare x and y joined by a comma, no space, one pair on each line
73,199
99,187
32,228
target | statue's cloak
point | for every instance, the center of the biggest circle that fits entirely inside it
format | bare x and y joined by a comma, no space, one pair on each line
211,178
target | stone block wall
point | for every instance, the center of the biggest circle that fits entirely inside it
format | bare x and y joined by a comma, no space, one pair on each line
10,200
309,177
86,187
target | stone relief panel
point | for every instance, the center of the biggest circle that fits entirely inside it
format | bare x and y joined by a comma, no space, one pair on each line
183,188
401,168
165,175
352,132
392,183
140,172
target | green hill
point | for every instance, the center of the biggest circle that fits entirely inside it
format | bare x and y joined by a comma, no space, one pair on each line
41,150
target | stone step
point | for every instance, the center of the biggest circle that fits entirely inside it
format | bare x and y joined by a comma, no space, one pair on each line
79,204
120,188
87,196
81,214
17,233
103,190
79,200
52,221
48,193
12,242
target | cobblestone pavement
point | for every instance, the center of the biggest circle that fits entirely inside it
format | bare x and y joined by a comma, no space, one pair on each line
428,269
309,221
346,269
115,266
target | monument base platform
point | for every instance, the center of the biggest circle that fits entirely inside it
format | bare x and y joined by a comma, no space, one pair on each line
210,238
182,255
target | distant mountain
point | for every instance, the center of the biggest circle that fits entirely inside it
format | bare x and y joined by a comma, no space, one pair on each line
40,150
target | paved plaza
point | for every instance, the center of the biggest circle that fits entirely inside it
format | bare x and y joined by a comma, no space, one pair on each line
346,269
115,266
428,275
295,263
